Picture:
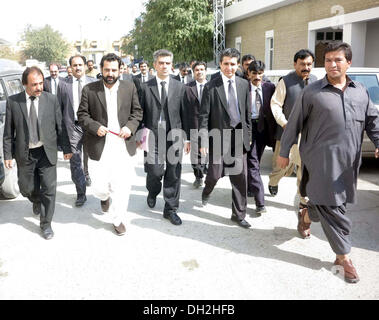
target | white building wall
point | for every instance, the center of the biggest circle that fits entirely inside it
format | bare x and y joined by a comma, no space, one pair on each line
372,44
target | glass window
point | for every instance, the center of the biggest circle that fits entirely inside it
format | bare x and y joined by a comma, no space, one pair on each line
320,36
329,35
13,86
2,93
370,81
338,35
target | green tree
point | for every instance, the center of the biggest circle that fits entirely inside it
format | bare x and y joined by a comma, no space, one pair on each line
183,26
45,44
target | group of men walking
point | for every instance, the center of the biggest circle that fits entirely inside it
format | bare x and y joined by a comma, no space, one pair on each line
224,123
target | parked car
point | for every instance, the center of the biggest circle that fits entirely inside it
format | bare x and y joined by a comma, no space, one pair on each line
10,83
369,77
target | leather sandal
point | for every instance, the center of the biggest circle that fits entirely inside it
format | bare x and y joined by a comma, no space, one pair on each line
302,226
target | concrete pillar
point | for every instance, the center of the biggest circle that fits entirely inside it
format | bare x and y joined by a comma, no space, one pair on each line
355,35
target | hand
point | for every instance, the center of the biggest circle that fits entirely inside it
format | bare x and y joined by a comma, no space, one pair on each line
284,126
282,162
102,131
187,147
125,133
139,144
67,156
8,164
377,153
204,151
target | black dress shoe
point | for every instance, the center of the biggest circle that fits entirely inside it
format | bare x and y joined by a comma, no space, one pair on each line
120,230
260,209
198,183
173,217
48,233
37,208
105,205
204,198
88,181
80,200
242,223
273,190
151,201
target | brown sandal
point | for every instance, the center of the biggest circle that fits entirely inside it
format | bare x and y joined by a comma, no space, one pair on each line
302,226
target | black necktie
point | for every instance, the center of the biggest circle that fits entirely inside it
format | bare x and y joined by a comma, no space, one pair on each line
235,117
55,86
201,91
163,100
79,89
33,123
306,81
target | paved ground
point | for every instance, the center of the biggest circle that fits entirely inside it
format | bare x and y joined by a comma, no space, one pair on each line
208,257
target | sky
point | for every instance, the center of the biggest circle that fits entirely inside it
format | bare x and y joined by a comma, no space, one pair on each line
74,19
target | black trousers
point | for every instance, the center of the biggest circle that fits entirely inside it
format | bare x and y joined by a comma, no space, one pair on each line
76,164
254,179
37,180
158,167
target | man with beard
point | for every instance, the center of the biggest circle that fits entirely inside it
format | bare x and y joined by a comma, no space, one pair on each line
110,114
33,129
282,101
69,94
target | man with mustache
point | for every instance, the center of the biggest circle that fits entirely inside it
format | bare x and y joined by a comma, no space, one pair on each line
263,126
33,129
69,95
110,114
282,101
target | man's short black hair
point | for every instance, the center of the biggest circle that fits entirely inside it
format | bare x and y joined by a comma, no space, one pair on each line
336,46
183,65
76,56
199,63
144,62
302,54
247,57
231,53
89,62
256,66
28,71
110,57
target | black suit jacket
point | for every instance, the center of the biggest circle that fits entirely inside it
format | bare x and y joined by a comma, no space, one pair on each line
66,102
151,104
189,78
51,128
139,77
214,111
92,114
47,83
266,118
192,105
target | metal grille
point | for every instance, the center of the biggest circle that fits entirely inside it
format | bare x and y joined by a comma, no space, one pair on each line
219,29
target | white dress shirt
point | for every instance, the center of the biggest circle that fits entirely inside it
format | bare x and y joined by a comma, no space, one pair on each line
53,84
75,93
225,80
145,77
36,103
254,109
167,80
198,87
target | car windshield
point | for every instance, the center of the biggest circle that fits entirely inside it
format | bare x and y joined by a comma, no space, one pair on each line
370,81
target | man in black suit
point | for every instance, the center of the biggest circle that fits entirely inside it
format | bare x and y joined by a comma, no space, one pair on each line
51,83
164,117
225,118
263,126
183,75
110,113
144,75
33,129
69,95
192,100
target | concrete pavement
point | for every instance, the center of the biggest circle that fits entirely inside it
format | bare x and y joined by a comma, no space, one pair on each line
207,257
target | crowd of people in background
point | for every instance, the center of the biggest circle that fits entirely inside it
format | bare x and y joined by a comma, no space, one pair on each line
101,117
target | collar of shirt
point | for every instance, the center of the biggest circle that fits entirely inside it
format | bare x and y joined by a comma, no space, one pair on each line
253,88
225,80
325,82
113,89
